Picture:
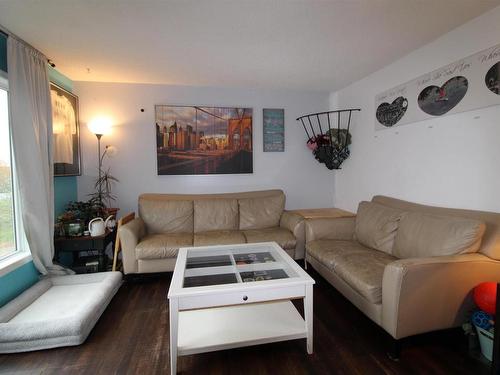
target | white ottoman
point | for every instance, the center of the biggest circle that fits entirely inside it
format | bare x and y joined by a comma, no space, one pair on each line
57,311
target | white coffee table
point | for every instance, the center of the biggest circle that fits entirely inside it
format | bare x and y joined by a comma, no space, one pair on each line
230,296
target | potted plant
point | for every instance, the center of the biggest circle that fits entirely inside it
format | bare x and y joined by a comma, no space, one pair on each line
103,197
75,219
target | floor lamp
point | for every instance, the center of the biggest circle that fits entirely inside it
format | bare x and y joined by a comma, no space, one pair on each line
99,126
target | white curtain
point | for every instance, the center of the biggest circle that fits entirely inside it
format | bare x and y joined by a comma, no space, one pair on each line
31,120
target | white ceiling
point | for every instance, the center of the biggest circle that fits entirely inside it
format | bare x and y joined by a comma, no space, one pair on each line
313,45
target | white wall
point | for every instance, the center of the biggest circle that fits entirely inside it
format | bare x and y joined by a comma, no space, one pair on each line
305,182
450,161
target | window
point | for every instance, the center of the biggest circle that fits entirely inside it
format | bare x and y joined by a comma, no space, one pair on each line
7,222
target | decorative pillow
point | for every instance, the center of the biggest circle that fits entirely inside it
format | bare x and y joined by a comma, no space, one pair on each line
376,225
423,235
215,214
261,213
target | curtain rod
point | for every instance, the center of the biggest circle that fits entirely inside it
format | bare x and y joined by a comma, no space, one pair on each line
8,33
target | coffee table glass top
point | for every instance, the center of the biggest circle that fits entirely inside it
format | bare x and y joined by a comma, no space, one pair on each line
235,264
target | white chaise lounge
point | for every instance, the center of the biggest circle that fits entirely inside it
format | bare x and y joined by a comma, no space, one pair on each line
57,311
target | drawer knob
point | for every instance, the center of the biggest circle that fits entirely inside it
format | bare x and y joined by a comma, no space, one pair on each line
245,298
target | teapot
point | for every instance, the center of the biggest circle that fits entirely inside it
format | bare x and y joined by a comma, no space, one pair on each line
110,222
97,227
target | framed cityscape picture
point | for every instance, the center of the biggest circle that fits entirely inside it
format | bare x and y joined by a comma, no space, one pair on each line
273,121
65,132
196,140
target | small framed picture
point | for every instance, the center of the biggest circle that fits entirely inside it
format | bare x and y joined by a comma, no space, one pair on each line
65,132
273,121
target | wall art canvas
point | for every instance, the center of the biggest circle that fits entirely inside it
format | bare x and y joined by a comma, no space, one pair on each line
436,100
273,121
65,132
465,85
196,140
492,79
390,114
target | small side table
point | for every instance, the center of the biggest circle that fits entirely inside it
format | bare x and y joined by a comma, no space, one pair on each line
85,243
320,213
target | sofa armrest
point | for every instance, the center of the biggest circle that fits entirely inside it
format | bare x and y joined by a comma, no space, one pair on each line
426,294
338,228
130,235
295,224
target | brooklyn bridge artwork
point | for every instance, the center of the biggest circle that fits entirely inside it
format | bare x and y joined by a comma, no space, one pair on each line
193,140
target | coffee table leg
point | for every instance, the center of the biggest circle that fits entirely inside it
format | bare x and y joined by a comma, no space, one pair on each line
174,325
308,314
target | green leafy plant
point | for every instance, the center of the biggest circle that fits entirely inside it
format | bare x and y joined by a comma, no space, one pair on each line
80,211
339,137
104,190
103,196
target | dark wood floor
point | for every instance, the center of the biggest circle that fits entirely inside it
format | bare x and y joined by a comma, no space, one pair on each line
132,338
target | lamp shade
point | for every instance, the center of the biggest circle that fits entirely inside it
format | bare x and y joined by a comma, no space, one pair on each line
100,125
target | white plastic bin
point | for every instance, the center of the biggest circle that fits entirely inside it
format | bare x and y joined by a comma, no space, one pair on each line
486,342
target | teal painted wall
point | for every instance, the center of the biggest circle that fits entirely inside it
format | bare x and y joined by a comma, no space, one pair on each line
60,79
65,188
17,281
3,52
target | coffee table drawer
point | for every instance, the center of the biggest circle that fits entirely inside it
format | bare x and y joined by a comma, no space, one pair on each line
241,297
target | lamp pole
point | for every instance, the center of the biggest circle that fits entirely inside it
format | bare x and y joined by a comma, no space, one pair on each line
99,187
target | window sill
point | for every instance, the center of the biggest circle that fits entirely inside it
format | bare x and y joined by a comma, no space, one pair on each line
14,261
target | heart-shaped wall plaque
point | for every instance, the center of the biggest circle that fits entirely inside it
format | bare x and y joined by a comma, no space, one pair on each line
492,79
436,101
390,114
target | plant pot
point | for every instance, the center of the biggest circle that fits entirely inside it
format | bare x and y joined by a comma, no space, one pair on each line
112,211
74,229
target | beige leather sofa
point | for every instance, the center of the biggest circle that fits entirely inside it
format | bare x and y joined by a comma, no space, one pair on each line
167,222
409,267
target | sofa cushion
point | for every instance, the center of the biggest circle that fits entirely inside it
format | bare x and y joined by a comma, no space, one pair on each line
360,267
423,235
166,216
376,225
157,246
364,271
219,237
215,214
283,237
328,251
261,213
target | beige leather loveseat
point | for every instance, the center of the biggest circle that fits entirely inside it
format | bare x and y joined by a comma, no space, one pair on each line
408,267
167,222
